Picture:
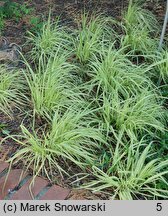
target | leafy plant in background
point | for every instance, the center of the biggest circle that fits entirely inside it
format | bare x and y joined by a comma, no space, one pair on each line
35,24
1,22
14,10
4,129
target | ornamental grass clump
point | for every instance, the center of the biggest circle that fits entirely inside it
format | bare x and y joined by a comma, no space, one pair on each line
134,116
51,38
69,139
140,28
50,85
135,15
160,67
87,39
11,90
139,42
131,173
112,72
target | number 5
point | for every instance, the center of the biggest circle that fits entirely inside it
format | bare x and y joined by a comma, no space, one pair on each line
159,207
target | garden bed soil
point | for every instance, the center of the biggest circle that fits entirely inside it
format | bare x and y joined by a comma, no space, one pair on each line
69,12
